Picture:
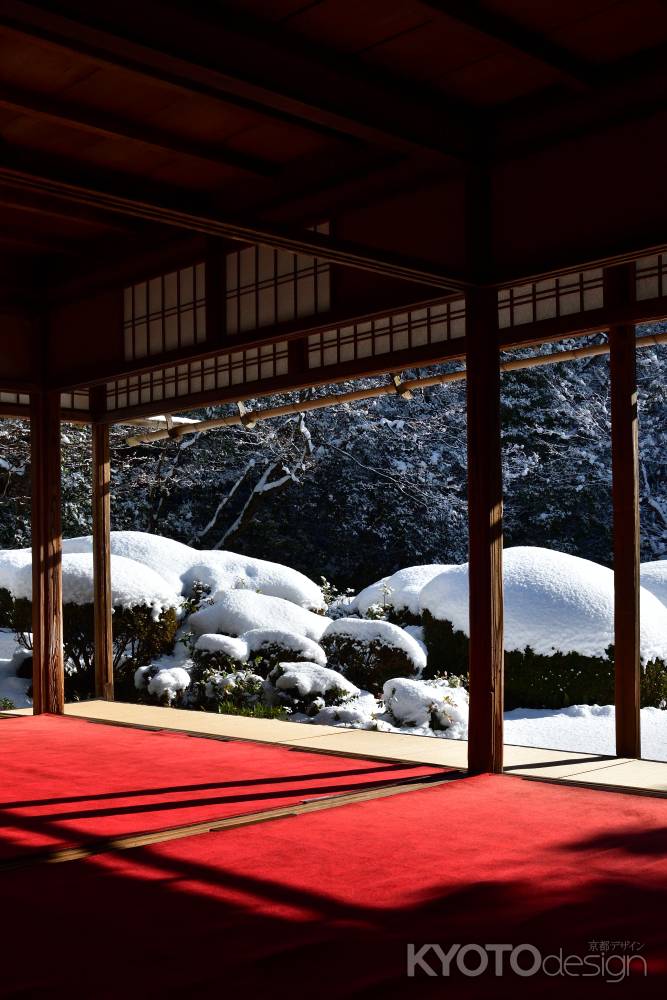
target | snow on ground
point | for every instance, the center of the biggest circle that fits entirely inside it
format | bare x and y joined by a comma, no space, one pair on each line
12,687
584,728
653,577
553,601
238,611
366,630
400,591
181,566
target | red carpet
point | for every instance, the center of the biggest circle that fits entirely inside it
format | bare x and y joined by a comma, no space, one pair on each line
323,905
66,782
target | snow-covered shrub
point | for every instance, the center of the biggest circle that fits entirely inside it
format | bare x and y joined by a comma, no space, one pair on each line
163,685
308,687
223,653
229,693
238,611
370,652
432,704
139,636
269,647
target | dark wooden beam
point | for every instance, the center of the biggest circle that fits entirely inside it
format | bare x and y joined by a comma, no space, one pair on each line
625,491
47,616
168,209
67,115
294,81
485,538
102,600
513,35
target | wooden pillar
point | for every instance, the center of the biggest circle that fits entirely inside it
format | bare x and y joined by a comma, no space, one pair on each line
102,562
485,542
47,612
625,492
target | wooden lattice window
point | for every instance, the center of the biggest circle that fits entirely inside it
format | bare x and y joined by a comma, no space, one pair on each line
651,276
550,298
266,286
165,313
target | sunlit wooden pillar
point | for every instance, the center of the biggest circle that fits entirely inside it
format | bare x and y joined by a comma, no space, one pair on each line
47,612
102,557
625,492
485,533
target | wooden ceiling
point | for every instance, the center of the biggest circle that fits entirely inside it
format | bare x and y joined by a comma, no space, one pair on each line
287,111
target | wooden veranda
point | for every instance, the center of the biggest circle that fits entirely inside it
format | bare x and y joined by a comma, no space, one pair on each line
211,202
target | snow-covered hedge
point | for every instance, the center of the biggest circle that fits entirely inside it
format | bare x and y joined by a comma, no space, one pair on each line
398,592
370,652
653,576
132,583
559,630
554,602
182,566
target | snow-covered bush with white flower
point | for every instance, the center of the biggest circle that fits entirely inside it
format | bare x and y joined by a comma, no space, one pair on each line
369,652
164,685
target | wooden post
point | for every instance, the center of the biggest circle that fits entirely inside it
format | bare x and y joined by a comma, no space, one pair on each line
102,562
47,612
485,544
625,492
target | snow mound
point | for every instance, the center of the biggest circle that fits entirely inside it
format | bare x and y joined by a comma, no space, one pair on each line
258,638
311,679
432,704
239,611
653,577
553,601
399,591
166,557
359,712
181,566
235,649
132,583
222,571
365,631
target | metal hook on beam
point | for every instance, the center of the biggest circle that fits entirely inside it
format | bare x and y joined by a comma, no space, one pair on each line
247,418
401,389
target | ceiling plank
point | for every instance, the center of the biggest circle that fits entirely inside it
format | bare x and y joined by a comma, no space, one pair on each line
517,37
326,92
108,126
